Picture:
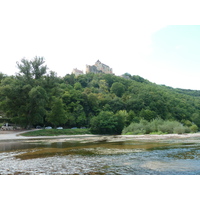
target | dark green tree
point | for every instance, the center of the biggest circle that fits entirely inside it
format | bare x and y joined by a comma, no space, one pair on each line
36,105
117,88
24,104
148,114
57,115
104,123
32,69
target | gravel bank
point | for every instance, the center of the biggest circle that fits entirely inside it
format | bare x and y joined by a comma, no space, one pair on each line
15,135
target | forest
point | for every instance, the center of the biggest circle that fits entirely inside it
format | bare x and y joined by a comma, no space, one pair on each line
105,103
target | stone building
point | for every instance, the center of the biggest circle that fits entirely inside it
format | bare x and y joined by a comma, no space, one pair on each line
77,72
98,67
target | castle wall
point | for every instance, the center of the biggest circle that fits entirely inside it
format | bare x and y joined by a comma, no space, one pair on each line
77,72
98,67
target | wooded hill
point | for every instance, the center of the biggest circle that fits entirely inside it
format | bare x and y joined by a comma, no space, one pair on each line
34,97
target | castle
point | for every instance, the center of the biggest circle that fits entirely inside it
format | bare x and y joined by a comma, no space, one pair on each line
77,72
97,68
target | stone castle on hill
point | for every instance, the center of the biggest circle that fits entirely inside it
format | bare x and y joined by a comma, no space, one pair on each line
77,72
97,68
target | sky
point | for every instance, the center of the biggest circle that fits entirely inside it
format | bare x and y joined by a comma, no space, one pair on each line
157,40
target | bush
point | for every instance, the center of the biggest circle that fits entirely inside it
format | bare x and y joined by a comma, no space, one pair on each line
187,129
194,128
156,126
179,130
168,126
134,128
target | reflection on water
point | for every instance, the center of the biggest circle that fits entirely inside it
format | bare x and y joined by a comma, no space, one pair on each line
180,156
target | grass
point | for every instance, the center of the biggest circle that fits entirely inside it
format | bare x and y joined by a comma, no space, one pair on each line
56,132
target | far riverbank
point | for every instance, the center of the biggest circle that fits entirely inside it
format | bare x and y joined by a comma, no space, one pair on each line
18,135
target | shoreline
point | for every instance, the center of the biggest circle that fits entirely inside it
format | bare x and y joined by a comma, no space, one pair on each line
16,135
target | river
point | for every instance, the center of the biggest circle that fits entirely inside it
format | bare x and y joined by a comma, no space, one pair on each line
100,156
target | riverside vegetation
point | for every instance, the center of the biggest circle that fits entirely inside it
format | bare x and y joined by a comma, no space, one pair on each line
55,132
105,103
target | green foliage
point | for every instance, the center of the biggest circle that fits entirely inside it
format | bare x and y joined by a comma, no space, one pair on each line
148,114
196,118
36,105
55,132
104,123
187,122
37,97
155,126
32,69
77,86
118,89
179,129
194,128
169,127
57,115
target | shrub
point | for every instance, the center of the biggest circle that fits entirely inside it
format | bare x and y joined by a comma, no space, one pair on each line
187,129
134,128
179,129
168,126
156,126
194,128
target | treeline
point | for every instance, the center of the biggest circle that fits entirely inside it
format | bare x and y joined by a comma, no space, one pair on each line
106,103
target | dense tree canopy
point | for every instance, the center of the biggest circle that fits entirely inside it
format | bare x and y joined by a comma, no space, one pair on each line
104,102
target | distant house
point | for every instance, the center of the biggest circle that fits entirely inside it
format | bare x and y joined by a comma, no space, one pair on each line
77,72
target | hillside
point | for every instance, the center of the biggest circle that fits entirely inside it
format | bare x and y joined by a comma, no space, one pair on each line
39,98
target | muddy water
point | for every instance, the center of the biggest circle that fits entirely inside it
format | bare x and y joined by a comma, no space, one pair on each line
131,157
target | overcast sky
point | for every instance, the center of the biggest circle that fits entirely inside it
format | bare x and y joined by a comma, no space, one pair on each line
129,36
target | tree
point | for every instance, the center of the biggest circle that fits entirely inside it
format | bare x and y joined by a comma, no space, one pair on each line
194,128
117,104
131,116
2,76
122,120
103,86
36,105
148,114
57,115
32,69
93,103
38,69
196,119
14,96
77,86
104,123
80,117
24,98
32,94
117,88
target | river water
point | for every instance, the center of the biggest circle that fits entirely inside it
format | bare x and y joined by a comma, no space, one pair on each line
85,157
